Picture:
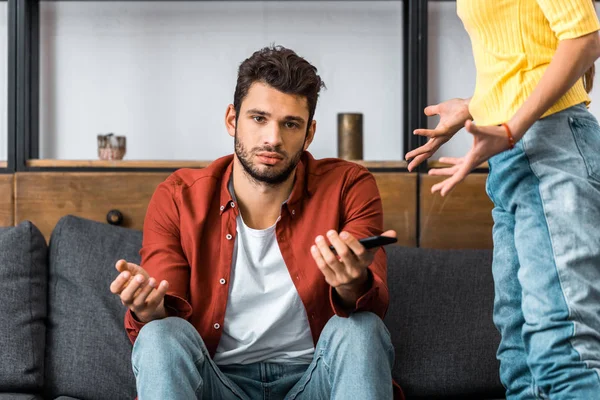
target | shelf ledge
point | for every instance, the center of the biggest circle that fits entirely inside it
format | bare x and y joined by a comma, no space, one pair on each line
52,163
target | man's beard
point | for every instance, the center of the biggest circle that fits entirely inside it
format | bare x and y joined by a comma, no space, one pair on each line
271,176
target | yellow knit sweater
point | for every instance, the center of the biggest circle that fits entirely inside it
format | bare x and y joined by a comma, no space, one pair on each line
513,42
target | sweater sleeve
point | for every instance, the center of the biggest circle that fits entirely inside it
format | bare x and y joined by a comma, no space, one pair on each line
570,18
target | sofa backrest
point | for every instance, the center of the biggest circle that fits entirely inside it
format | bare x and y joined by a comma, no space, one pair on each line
440,320
88,354
23,278
440,315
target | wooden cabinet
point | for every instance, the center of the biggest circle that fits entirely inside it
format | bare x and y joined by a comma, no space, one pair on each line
461,219
398,195
6,200
45,197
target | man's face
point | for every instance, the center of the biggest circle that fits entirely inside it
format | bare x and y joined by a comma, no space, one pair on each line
271,133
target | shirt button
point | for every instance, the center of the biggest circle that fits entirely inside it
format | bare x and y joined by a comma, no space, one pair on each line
222,208
228,236
232,204
216,326
222,281
293,212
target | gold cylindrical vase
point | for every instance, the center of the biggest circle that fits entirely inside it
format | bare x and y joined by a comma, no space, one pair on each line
350,136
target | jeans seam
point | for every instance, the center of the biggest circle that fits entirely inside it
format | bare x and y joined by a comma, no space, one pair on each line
328,369
570,311
539,190
199,387
300,389
225,382
197,364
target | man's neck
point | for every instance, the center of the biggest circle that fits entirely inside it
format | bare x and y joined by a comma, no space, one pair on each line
259,203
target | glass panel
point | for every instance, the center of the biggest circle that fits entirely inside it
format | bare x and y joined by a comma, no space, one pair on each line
451,69
3,83
163,73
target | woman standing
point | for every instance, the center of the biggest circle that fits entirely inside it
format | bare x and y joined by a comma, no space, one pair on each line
534,61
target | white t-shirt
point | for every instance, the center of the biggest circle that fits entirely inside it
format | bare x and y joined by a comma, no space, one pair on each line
265,320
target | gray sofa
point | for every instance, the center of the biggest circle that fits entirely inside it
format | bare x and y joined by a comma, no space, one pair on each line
62,335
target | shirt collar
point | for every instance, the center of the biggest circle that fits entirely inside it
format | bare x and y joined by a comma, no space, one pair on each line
226,199
294,201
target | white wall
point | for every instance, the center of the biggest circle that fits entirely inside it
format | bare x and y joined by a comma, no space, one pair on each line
163,73
3,80
452,70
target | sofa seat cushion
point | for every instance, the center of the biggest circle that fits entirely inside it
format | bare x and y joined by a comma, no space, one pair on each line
88,352
440,319
20,396
23,278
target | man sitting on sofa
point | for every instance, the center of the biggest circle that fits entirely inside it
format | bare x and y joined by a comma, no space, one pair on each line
238,295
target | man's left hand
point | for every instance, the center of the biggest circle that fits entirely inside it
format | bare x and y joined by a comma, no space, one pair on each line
347,271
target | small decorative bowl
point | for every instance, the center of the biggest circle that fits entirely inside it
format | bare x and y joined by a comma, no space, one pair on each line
111,147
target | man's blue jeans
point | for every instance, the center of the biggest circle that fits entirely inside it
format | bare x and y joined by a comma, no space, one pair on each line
353,360
546,193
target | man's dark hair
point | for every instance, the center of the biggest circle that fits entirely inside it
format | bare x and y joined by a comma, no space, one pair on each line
282,69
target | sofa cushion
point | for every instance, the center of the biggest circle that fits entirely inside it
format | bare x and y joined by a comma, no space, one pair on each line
23,277
88,352
440,319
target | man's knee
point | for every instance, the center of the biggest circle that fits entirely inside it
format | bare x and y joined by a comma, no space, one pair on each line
360,329
166,336
165,329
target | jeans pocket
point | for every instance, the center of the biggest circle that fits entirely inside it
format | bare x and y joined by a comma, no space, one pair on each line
489,189
586,133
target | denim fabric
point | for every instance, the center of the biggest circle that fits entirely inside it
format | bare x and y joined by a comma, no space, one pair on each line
546,265
353,359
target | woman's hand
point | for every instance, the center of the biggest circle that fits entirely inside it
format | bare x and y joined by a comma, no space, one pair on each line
453,114
487,142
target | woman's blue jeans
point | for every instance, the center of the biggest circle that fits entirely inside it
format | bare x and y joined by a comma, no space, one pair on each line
546,195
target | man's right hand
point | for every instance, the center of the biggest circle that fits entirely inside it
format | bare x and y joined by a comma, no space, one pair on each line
453,115
139,292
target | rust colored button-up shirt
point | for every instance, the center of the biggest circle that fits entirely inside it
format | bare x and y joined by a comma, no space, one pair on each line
190,228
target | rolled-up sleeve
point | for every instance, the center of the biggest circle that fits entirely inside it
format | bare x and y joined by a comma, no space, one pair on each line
363,218
162,255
